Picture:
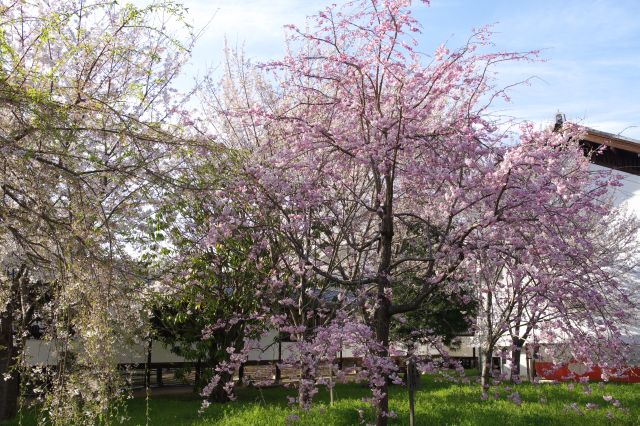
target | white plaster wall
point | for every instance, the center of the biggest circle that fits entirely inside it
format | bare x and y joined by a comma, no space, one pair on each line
628,197
42,352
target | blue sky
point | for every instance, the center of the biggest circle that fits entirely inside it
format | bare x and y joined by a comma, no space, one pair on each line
591,48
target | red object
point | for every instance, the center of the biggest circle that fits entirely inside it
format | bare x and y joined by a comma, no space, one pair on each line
549,371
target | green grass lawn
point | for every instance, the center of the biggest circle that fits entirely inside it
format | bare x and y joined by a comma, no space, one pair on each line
437,403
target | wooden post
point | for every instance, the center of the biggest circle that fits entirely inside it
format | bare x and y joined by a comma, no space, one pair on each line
278,372
536,348
241,373
159,376
411,385
198,375
475,360
331,385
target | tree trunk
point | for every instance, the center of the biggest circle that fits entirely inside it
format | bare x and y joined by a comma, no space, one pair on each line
382,315
516,353
304,388
487,373
9,389
278,378
382,325
219,394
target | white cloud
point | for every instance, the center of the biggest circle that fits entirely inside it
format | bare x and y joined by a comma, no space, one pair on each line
257,23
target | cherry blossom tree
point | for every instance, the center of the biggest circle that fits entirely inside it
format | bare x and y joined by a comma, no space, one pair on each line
89,129
575,297
378,167
362,178
561,273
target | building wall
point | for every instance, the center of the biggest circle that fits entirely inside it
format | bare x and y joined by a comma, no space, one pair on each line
42,352
628,196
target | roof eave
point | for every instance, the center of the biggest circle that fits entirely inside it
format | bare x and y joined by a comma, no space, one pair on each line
614,141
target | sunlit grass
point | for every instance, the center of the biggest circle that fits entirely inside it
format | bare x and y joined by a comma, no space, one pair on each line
437,403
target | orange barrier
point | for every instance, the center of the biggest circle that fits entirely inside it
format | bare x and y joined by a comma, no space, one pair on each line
566,372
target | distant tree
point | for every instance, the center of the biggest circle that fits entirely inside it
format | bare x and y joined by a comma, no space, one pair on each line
442,317
201,296
214,289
